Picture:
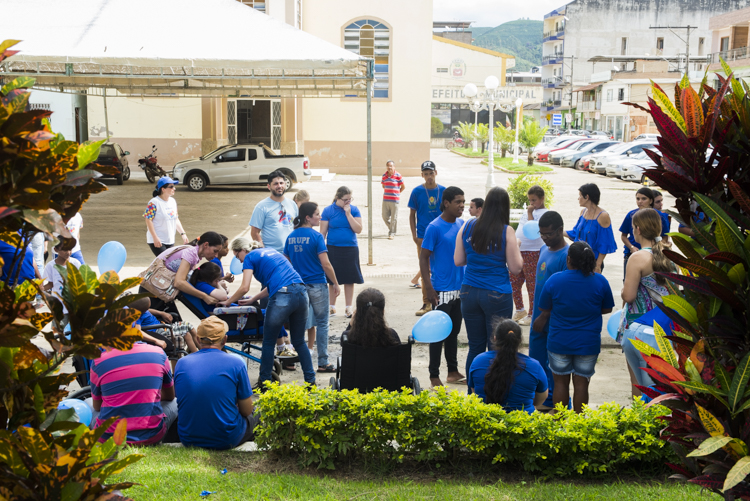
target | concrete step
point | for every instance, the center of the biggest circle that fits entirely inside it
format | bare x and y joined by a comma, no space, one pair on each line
321,175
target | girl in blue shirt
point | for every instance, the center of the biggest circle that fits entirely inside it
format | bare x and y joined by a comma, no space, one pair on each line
594,225
341,222
206,279
504,376
644,199
487,246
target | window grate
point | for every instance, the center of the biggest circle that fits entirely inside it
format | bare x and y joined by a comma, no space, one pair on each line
370,38
276,125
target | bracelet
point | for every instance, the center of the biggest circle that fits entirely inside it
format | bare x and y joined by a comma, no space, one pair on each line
182,233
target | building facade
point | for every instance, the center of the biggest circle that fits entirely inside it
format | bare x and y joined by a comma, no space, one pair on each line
730,41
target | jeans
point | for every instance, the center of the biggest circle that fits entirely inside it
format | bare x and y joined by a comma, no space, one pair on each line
538,351
481,308
290,305
453,309
318,294
158,250
633,356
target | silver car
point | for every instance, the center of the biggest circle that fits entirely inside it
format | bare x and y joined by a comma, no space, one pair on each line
626,150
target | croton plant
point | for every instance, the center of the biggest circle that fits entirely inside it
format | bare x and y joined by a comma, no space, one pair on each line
703,160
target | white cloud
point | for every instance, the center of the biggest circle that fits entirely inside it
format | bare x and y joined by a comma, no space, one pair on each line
492,12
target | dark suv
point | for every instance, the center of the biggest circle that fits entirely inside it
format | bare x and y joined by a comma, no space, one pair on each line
111,154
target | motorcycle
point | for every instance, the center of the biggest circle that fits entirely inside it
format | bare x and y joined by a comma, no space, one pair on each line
151,167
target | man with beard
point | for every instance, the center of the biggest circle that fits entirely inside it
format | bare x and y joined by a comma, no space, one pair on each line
271,222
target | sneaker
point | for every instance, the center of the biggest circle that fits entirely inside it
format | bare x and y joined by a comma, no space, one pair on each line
349,312
425,309
331,311
390,237
525,320
291,349
518,315
287,353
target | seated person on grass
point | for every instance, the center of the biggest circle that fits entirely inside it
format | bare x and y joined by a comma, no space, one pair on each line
368,327
136,385
213,393
53,280
183,332
504,376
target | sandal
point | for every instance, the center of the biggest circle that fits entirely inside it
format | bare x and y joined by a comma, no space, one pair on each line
326,368
415,286
289,367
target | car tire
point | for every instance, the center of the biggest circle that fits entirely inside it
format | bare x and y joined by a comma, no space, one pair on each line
646,181
126,173
578,165
289,182
119,179
196,182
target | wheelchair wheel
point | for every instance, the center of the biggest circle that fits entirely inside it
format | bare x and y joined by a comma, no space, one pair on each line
81,394
334,384
277,367
415,386
276,378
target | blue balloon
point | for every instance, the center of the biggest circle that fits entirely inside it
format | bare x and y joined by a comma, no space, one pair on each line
614,323
531,230
111,257
83,411
434,326
235,267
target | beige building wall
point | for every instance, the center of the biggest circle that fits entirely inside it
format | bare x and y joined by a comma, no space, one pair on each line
172,124
465,64
335,130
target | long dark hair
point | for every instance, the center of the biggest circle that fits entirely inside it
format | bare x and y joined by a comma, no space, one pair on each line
306,210
506,339
582,257
648,222
207,272
368,325
648,192
214,239
487,231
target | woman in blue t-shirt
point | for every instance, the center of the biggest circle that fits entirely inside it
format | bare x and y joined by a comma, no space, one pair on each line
504,376
594,225
306,250
487,246
573,301
206,279
341,222
644,199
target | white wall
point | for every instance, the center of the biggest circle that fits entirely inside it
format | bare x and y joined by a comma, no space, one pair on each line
63,111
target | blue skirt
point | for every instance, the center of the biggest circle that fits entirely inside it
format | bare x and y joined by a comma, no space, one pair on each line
345,262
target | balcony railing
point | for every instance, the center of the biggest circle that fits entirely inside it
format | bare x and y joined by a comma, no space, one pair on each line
729,55
553,34
552,59
550,83
589,105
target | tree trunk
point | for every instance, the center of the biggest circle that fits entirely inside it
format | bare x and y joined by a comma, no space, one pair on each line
503,153
530,161
483,147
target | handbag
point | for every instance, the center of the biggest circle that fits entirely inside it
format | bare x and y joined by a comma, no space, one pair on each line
159,280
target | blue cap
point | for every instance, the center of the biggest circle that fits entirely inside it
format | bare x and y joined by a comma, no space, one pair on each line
165,180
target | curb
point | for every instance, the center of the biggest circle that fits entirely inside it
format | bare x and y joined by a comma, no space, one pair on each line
501,169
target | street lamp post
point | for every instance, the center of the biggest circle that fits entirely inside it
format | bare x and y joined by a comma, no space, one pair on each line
475,106
488,99
519,118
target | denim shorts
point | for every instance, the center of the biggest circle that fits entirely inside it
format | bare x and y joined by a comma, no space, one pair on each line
578,365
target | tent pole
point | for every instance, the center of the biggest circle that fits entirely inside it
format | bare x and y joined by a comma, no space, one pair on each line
106,118
369,162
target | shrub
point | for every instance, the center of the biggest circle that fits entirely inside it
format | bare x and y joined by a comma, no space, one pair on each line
437,126
531,135
505,137
519,186
323,427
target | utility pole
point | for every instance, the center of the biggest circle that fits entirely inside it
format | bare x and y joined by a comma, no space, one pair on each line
570,99
685,41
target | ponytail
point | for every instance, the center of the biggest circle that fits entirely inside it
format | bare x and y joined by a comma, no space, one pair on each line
369,327
207,272
211,237
307,209
244,244
501,374
582,258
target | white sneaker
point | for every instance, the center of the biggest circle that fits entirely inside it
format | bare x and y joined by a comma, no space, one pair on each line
331,311
518,315
525,320
349,312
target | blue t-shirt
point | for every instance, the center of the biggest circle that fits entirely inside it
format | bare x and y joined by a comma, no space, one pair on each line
666,222
601,240
7,252
440,240
340,233
303,248
486,271
271,269
527,381
147,319
217,262
576,301
274,220
206,288
549,263
427,204
209,383
627,228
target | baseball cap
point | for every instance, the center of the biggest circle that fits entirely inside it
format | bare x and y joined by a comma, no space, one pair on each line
165,180
428,165
212,329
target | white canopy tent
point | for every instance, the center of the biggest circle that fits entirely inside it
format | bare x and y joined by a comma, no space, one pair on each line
191,48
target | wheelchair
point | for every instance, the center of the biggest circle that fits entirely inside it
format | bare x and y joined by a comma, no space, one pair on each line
245,325
365,369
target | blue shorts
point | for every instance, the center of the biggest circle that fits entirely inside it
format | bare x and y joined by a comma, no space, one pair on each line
578,365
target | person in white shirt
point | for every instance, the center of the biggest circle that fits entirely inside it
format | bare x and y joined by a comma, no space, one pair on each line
53,280
74,226
530,253
161,217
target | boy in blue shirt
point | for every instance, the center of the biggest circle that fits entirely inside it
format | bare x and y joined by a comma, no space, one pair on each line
424,205
442,280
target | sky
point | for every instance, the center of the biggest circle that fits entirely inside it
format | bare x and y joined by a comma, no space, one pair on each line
492,12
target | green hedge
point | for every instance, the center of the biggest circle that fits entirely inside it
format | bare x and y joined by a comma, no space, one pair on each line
323,427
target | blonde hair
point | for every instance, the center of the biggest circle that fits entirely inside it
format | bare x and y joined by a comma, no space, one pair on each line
648,222
244,244
301,196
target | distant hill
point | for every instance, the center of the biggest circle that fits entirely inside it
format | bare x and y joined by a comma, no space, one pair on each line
521,38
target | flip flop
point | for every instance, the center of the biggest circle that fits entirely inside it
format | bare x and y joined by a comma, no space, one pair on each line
415,286
326,368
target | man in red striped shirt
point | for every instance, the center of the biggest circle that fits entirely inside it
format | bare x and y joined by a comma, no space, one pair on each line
393,185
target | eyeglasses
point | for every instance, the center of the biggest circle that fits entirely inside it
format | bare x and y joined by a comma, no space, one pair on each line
347,199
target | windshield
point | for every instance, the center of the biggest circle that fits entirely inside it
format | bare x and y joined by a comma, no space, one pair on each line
107,150
212,152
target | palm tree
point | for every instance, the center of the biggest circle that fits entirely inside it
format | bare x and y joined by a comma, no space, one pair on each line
483,134
531,135
504,136
466,131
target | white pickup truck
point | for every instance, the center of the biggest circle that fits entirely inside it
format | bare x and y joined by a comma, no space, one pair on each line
240,164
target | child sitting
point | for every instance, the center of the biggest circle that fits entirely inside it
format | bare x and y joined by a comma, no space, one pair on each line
183,333
207,279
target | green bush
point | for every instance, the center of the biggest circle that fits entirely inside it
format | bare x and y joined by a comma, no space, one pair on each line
519,186
437,126
323,427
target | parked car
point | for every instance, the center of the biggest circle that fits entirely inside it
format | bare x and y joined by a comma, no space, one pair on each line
573,158
112,155
601,133
648,137
240,164
546,147
544,155
635,171
555,156
627,149
616,167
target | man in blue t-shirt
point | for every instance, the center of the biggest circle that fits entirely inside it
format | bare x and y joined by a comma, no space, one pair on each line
442,280
424,205
552,259
272,218
215,410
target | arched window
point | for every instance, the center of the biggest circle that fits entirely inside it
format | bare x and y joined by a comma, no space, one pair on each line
369,38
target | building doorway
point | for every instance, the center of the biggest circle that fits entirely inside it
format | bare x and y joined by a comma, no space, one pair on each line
254,121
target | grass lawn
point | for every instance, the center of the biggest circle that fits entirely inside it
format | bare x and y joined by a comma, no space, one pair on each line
180,473
507,162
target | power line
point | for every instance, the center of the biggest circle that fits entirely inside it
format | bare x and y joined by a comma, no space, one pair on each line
685,41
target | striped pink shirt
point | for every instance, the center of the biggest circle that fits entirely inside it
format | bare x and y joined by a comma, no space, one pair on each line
392,186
